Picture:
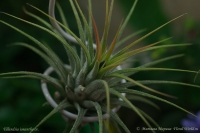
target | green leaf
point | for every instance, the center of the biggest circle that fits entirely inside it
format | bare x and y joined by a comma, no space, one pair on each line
38,18
141,99
140,39
61,13
166,46
127,18
133,98
81,113
161,60
72,55
68,30
73,58
149,118
88,31
114,92
163,82
99,112
117,119
135,92
92,74
133,70
51,54
90,21
61,106
41,54
78,21
112,46
115,80
122,103
127,55
107,95
80,78
115,126
97,85
107,25
24,74
140,85
128,37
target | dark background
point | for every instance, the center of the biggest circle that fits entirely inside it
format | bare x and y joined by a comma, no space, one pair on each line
21,100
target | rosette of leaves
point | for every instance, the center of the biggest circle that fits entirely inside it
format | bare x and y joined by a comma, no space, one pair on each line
93,84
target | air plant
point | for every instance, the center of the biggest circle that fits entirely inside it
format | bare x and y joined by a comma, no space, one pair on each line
93,82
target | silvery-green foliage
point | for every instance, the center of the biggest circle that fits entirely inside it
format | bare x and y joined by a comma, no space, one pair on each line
94,82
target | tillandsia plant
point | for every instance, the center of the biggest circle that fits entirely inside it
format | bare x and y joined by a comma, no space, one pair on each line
93,84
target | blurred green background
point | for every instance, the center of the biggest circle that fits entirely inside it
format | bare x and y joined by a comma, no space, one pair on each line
21,100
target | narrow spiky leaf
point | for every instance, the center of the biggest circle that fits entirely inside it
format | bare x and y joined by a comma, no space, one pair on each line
133,52
141,85
196,76
142,99
70,81
68,30
61,106
132,70
110,50
164,82
117,119
23,74
128,37
153,97
115,126
73,58
89,18
98,44
92,74
150,119
161,60
106,87
99,112
122,103
41,54
114,92
128,17
107,68
81,113
37,18
88,31
78,21
107,24
80,78
51,54
140,39
61,13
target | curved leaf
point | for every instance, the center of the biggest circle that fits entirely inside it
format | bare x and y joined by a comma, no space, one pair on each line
57,61
114,92
61,106
135,92
25,74
141,85
81,113
116,118
99,112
